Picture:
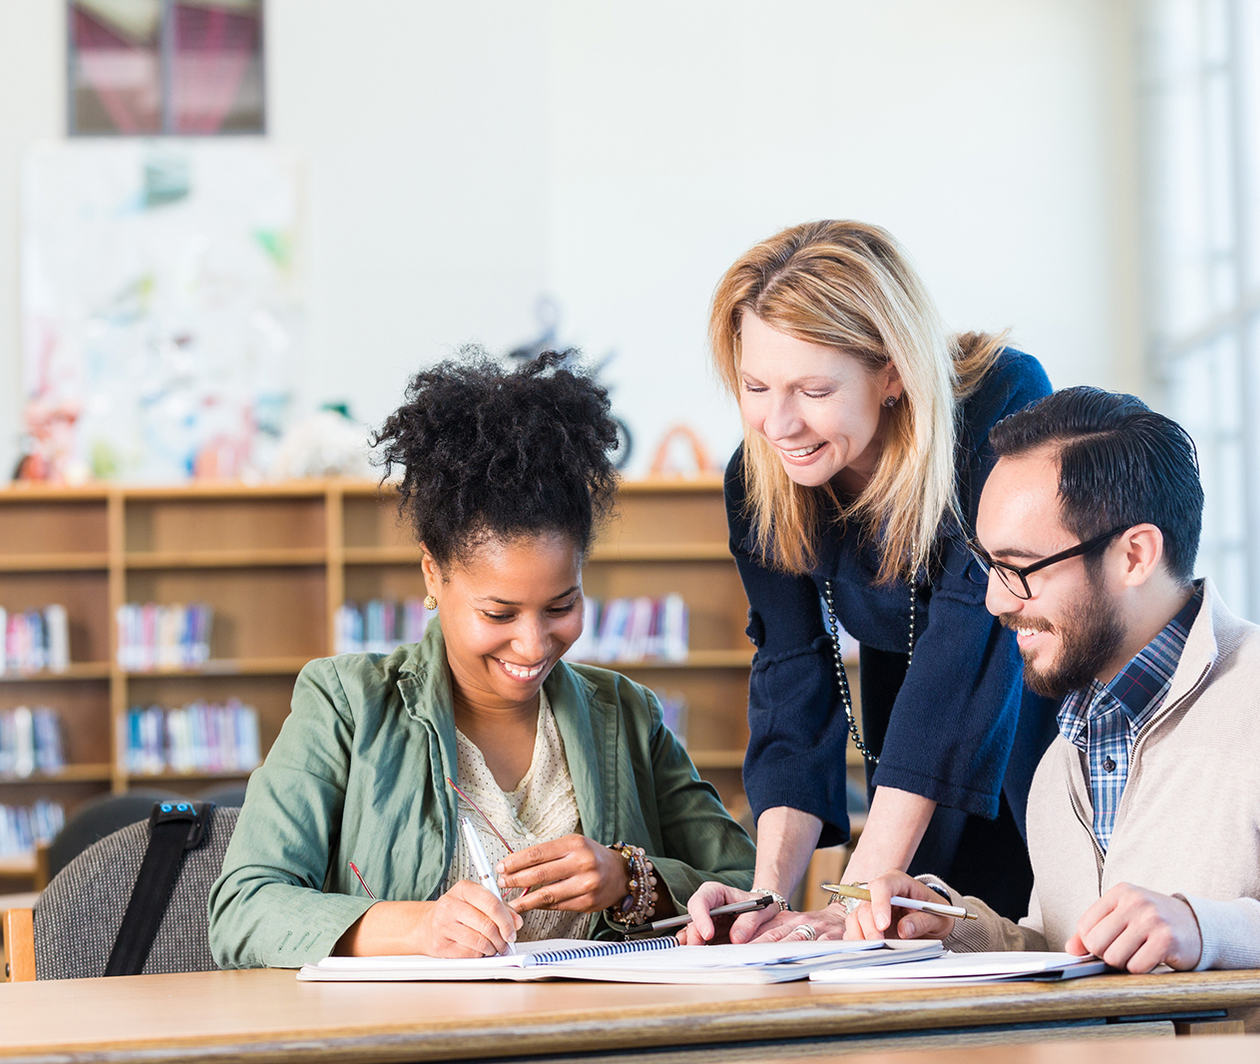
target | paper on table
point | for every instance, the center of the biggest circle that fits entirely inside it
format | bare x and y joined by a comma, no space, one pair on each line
668,962
972,968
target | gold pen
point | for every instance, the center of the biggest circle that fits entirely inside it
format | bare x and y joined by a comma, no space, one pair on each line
848,890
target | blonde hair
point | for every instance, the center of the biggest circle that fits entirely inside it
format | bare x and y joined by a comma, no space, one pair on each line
849,286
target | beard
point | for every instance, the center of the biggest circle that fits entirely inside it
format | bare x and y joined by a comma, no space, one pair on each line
1090,633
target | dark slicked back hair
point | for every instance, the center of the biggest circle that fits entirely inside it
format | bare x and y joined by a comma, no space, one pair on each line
493,453
1120,464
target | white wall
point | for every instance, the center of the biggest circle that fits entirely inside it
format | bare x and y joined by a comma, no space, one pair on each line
987,135
463,158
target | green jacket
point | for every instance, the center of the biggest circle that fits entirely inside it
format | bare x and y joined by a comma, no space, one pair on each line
357,774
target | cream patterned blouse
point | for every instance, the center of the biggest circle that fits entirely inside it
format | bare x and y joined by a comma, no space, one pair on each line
542,807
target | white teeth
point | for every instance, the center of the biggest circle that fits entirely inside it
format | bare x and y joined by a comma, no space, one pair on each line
521,672
804,452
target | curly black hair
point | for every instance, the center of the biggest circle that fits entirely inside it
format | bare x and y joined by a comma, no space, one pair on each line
487,452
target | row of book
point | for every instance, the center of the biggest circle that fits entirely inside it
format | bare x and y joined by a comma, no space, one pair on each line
24,826
198,737
156,636
379,625
35,639
634,629
621,629
30,741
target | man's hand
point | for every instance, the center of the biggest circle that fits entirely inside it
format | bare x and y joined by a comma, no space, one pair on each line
878,919
1136,929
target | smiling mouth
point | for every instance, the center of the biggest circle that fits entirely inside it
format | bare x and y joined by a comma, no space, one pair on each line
801,452
522,672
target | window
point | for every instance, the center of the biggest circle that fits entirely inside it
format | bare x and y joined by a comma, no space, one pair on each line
145,67
1199,101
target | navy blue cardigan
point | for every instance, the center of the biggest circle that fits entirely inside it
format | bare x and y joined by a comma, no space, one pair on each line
957,726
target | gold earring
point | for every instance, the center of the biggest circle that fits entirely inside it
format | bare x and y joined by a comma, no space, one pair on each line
430,603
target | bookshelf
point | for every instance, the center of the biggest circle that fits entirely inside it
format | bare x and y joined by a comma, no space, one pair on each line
274,562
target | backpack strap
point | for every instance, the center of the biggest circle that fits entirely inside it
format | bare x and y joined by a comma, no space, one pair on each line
174,829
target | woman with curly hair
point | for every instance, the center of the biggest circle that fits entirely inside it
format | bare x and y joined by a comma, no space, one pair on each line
591,806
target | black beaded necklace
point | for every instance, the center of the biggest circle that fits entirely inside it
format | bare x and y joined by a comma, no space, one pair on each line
842,677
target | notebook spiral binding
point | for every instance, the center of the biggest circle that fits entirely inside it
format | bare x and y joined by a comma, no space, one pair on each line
604,949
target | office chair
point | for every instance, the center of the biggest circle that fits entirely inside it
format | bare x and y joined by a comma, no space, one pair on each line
96,819
78,916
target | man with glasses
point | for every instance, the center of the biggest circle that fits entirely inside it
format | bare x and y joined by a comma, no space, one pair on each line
1144,814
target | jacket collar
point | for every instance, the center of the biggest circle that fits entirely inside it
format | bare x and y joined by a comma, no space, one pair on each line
588,724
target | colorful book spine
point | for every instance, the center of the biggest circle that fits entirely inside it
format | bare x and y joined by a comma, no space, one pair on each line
199,737
158,636
378,626
30,741
34,640
23,827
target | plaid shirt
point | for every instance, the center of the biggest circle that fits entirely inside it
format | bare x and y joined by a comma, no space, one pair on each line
1104,720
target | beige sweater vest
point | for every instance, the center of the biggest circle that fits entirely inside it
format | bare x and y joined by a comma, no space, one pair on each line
1189,820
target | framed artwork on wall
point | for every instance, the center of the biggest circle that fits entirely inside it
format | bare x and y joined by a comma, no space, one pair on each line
183,67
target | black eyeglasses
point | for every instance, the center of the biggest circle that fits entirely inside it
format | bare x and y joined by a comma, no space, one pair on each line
1015,577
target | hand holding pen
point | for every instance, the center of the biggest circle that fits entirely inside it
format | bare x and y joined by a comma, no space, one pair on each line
572,873
485,874
467,921
925,915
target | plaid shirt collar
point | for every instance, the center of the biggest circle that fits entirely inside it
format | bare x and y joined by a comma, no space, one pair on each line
1139,688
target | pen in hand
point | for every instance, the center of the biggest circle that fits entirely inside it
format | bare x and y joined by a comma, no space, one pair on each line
848,890
481,863
733,909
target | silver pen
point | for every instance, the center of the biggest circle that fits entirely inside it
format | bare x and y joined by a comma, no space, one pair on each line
481,863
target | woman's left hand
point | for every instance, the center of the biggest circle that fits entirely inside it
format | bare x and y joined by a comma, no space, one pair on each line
572,873
829,922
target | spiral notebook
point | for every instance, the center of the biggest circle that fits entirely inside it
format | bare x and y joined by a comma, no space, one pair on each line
650,960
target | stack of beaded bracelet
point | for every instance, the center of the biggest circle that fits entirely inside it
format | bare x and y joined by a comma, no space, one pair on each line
639,904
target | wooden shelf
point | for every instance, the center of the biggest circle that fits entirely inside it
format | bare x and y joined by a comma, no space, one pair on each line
278,666
274,561
697,659
715,759
193,775
225,559
381,555
665,552
17,866
77,670
82,773
53,562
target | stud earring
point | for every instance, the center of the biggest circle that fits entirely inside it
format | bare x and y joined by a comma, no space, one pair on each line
890,401
430,603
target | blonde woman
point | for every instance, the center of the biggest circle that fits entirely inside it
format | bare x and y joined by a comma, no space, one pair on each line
864,453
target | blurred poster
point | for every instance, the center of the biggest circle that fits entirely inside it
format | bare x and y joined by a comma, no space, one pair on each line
162,307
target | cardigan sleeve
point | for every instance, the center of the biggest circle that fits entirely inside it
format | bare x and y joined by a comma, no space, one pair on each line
268,907
954,722
796,744
1230,930
952,725
990,931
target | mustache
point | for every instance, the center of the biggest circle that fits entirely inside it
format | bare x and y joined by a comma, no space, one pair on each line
1015,621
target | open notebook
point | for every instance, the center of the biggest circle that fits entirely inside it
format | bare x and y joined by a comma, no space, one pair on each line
651,960
957,968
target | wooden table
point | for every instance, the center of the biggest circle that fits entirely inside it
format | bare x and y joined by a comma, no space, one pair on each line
267,1015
